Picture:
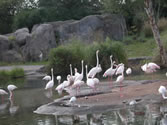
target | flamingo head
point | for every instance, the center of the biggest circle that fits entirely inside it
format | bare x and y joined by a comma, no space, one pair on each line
75,70
58,78
104,75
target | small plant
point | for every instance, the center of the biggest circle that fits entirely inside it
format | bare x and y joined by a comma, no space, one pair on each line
11,76
11,38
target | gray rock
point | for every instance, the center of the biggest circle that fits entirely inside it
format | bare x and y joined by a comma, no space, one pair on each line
4,46
91,28
35,46
22,36
42,40
12,56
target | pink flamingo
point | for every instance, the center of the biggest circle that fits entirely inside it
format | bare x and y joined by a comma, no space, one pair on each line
3,92
96,69
110,71
90,82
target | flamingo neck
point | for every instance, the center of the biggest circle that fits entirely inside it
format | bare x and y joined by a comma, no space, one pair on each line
111,61
164,97
71,69
52,75
86,72
82,69
97,58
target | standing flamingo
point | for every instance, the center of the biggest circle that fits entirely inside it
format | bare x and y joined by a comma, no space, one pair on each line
3,92
90,82
120,69
110,71
50,84
120,79
96,69
47,78
79,76
11,88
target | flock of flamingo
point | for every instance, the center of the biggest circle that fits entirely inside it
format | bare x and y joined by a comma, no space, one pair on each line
76,81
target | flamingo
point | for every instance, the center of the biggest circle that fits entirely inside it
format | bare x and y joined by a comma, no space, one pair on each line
162,90
77,84
64,85
58,79
50,84
120,69
120,79
72,100
47,78
128,71
90,82
40,56
94,70
79,76
10,89
150,67
3,92
110,71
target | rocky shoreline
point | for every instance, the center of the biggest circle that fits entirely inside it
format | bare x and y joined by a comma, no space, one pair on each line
106,98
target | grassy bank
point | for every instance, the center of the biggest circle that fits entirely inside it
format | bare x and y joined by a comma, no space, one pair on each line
15,76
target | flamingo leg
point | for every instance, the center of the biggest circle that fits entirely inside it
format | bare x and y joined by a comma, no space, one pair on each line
121,95
111,82
2,98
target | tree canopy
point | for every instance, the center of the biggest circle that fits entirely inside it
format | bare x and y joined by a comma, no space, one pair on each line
16,14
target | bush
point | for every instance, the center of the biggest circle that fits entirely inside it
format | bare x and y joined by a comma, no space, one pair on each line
61,57
7,77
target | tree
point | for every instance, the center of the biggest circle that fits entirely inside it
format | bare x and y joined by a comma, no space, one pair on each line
155,30
69,9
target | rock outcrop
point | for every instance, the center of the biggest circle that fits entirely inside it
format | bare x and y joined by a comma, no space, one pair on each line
24,46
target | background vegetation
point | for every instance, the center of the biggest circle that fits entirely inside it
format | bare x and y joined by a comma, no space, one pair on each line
61,57
15,76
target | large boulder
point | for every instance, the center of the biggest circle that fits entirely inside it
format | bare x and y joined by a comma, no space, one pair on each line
91,28
22,36
4,46
42,40
12,56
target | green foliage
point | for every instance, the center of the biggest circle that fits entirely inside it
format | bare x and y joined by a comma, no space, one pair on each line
11,38
12,76
61,57
133,11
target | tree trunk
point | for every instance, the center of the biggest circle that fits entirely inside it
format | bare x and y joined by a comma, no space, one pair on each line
155,30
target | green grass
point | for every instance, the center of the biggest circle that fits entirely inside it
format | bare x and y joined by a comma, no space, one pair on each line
23,63
15,76
148,48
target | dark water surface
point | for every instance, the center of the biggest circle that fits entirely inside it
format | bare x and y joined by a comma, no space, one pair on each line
32,95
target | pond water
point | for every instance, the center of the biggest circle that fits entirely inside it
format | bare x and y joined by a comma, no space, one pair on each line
32,95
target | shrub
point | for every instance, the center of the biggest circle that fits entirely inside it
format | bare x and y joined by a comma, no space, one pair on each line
7,77
61,57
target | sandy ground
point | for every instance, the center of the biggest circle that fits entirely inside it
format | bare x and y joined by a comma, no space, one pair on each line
107,98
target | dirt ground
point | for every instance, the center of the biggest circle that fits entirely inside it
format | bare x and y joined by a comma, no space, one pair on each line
129,93
107,99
